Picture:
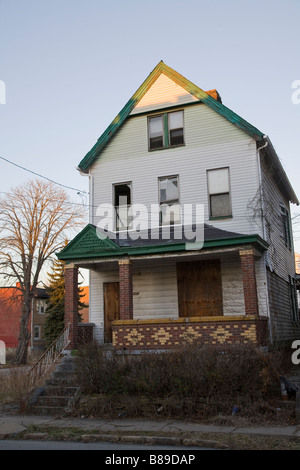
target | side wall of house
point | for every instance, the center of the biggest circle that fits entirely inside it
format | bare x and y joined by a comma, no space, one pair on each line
280,259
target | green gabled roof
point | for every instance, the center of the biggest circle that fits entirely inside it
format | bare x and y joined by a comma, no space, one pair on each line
87,243
91,243
194,90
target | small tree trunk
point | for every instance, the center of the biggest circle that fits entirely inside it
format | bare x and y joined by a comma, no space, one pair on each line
24,337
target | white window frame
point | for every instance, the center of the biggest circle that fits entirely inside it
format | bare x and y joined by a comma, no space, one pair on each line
216,193
166,131
126,218
37,328
171,206
41,306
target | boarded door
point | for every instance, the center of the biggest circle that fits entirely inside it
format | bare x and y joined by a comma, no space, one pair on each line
111,308
199,288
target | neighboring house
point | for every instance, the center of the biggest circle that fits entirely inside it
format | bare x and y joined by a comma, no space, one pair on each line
38,319
10,315
174,145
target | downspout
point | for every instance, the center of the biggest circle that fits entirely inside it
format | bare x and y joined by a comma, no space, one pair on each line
264,232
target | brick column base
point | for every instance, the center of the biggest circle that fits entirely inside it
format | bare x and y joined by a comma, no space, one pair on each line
125,282
71,303
249,281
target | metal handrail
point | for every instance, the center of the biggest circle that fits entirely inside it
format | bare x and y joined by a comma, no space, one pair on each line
49,356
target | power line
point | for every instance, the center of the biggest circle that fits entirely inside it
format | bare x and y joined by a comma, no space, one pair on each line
41,176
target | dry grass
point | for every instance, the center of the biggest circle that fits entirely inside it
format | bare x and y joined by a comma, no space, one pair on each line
193,382
14,385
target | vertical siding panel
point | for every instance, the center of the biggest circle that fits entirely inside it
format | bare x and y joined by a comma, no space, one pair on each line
155,292
232,287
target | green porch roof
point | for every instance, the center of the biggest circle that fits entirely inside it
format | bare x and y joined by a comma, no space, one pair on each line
93,244
194,90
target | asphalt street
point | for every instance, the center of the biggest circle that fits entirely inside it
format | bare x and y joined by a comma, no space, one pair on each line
106,446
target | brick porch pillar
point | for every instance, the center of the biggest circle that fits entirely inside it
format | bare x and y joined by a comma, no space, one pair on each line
71,303
249,281
125,282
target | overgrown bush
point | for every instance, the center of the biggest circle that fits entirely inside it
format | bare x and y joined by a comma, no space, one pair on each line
208,378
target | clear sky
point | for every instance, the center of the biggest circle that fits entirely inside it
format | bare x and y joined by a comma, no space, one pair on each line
69,66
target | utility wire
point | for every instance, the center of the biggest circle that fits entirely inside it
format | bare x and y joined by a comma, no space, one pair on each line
41,176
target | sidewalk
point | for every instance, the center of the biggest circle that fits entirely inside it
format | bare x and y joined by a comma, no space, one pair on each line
170,432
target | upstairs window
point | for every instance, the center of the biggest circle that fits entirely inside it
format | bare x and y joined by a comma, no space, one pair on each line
165,130
41,305
293,300
122,203
156,134
286,226
170,212
219,193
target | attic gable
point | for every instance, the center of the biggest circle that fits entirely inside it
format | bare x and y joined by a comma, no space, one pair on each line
193,92
163,93
166,92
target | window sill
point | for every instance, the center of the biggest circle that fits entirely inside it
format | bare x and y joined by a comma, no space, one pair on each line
165,148
222,217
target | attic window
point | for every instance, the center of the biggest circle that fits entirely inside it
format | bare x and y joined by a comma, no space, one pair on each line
165,130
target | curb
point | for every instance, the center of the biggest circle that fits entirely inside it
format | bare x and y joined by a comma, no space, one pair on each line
146,440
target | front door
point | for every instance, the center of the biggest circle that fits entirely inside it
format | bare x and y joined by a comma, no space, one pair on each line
111,308
199,288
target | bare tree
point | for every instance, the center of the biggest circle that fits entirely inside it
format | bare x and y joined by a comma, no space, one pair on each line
34,220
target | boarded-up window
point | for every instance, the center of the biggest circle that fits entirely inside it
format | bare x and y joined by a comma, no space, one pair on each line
199,288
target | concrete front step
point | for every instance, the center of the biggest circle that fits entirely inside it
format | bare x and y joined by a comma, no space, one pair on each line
53,401
49,410
60,391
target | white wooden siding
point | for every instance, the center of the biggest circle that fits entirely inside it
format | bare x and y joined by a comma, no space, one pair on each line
210,142
232,287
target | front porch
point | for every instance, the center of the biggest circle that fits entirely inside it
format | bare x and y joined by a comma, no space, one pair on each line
157,297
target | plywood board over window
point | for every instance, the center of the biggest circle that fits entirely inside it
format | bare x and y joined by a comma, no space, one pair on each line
199,288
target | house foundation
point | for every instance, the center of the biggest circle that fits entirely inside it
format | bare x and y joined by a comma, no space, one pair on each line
165,334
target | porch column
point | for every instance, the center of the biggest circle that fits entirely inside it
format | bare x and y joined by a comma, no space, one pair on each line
125,282
249,281
71,303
